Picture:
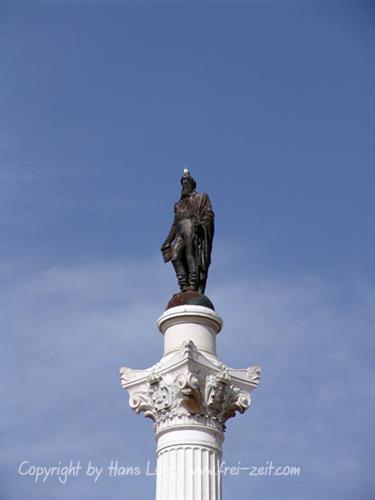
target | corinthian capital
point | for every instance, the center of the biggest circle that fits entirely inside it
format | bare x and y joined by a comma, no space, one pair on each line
190,387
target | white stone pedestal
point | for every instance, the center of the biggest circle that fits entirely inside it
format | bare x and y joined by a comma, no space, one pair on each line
189,394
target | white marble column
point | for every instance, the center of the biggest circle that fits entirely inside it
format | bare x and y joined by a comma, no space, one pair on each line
189,394
189,452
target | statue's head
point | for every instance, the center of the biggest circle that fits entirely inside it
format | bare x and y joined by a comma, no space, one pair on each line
188,183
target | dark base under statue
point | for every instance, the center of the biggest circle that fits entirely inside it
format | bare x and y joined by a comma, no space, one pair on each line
190,298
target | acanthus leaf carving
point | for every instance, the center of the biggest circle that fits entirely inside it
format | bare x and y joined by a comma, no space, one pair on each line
140,402
189,350
223,399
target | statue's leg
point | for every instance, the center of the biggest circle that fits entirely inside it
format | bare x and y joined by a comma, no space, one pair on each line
192,265
177,261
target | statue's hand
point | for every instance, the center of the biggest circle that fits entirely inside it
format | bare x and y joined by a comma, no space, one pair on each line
165,245
166,251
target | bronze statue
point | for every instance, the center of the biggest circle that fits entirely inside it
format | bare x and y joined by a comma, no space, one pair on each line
189,242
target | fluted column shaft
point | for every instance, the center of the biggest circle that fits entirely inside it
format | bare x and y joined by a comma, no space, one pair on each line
188,465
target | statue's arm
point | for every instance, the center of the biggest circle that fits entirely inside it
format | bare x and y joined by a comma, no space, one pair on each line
171,236
166,246
172,232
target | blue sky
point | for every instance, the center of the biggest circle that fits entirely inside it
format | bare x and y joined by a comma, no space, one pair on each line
271,106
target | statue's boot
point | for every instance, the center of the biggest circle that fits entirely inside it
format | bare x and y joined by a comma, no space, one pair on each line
183,283
181,274
193,281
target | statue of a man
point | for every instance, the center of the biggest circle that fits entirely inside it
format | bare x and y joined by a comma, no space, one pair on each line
189,242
